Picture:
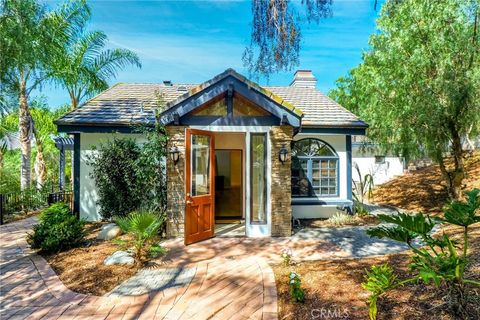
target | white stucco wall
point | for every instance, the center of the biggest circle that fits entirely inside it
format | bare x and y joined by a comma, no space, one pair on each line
381,173
339,143
89,210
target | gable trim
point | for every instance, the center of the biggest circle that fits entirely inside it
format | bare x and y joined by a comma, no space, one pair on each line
224,85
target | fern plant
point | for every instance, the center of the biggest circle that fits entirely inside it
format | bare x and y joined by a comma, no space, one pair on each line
439,261
143,227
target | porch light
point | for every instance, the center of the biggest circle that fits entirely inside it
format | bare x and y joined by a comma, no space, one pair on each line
283,153
174,154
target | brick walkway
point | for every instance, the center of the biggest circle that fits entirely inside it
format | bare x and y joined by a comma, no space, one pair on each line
224,287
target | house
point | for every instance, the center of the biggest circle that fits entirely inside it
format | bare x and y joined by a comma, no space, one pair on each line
239,151
370,159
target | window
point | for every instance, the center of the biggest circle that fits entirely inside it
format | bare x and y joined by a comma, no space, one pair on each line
314,169
379,159
257,178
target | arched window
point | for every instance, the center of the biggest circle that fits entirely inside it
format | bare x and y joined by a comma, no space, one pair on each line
314,169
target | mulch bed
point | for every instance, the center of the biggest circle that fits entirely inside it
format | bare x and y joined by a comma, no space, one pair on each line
82,269
356,221
334,290
424,190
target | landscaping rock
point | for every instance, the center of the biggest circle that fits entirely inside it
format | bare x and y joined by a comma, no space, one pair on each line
109,231
120,257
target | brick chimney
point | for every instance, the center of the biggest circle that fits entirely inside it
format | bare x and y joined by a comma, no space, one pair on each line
304,79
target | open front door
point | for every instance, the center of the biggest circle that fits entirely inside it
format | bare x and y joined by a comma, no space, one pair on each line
200,188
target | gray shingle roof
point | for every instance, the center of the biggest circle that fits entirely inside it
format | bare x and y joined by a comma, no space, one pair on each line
127,104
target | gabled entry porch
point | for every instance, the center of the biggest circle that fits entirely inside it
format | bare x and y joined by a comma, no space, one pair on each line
228,136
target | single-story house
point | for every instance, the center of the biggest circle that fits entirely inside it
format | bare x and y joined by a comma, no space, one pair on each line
239,151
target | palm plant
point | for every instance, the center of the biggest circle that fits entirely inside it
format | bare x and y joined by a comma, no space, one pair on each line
31,40
143,227
85,67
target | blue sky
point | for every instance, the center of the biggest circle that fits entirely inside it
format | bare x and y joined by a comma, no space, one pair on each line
192,41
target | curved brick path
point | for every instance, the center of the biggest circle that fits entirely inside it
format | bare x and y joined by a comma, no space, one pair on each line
222,288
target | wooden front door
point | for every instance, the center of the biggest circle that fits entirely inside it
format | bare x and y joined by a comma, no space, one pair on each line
200,188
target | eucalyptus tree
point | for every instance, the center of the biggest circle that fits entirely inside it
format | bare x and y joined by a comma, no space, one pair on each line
31,37
276,33
419,83
85,66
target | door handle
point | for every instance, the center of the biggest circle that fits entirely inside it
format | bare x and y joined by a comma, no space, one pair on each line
189,201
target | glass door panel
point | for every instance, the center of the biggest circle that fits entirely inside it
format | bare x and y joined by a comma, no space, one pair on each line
258,178
200,183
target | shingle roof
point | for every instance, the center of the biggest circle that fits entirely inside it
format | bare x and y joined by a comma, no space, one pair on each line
127,104
318,109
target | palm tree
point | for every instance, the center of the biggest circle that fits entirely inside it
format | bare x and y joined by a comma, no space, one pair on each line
43,127
85,66
31,39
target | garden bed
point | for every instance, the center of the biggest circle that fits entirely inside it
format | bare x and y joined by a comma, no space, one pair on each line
327,223
82,270
335,286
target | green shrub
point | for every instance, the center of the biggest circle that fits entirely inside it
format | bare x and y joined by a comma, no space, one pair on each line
115,177
295,284
143,227
58,230
441,261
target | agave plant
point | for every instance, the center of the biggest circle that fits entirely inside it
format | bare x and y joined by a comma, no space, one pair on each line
363,188
143,227
438,262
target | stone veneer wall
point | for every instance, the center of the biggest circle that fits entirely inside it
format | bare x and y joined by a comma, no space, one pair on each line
281,193
176,183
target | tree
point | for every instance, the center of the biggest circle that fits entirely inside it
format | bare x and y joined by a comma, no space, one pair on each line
84,66
43,127
31,39
276,33
419,84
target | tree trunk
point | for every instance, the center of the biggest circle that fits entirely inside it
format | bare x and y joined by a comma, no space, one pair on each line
454,177
25,142
40,166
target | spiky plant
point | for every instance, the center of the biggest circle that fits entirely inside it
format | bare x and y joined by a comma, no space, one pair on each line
143,226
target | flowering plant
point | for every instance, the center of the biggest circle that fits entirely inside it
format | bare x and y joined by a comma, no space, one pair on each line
295,284
286,256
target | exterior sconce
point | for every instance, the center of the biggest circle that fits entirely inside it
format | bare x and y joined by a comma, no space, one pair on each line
283,154
174,154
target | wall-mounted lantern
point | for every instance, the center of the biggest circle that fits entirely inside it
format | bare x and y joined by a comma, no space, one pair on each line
174,154
283,154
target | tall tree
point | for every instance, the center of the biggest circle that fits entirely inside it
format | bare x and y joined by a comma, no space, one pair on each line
31,37
43,127
419,84
85,66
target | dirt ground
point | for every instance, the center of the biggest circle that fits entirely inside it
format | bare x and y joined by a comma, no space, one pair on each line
424,190
82,269
333,289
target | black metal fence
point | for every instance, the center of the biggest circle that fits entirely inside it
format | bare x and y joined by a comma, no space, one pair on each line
16,204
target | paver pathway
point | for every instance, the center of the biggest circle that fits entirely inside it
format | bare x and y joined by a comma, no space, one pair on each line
239,287
220,278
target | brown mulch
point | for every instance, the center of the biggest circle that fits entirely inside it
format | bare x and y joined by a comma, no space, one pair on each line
334,287
424,190
82,269
356,221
